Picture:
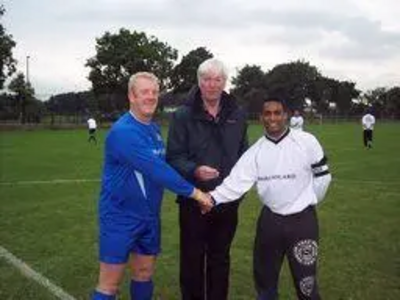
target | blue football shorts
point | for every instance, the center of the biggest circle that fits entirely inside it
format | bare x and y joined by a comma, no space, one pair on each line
116,243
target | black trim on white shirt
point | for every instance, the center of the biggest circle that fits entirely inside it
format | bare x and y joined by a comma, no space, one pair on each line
320,168
322,162
276,141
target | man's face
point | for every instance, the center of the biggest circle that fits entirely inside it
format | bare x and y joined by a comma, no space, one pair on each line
143,98
211,86
273,118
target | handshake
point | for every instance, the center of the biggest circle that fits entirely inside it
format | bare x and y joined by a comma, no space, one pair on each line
205,200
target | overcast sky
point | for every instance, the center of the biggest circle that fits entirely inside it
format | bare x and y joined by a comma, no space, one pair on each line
357,40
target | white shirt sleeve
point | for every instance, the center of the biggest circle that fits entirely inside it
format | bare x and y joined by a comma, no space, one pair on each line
363,122
296,122
240,180
320,169
321,185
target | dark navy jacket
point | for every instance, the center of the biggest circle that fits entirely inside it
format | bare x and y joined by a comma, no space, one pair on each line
196,138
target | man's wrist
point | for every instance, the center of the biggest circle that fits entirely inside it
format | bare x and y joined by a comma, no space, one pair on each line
197,194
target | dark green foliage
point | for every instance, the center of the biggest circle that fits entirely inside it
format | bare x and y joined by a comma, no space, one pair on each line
7,62
297,82
184,75
26,107
120,55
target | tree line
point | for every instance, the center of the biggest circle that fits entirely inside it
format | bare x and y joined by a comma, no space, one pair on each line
120,54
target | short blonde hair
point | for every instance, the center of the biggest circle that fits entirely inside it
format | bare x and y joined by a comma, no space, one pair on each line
146,75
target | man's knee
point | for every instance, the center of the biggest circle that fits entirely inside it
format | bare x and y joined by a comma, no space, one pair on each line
143,272
142,267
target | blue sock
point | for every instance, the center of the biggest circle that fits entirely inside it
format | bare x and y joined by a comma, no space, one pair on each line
100,296
141,290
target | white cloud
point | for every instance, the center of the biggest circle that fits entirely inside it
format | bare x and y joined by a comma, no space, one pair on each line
358,40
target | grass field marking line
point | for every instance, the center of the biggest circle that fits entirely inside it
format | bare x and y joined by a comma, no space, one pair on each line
53,181
32,274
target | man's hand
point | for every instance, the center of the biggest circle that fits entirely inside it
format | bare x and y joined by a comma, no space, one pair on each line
205,173
205,200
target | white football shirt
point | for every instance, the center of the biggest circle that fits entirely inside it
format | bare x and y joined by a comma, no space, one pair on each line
368,121
290,173
296,122
92,123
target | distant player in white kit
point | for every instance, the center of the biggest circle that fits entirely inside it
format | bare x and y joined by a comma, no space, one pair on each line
368,122
296,121
92,126
291,174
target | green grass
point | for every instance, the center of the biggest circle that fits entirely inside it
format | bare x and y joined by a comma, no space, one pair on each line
52,226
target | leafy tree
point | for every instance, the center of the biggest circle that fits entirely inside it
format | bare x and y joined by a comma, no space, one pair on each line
249,88
120,55
247,79
81,105
345,93
184,75
8,107
321,93
392,102
376,98
293,81
253,101
24,94
7,62
67,103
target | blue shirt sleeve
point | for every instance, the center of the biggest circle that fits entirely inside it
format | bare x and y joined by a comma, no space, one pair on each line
134,150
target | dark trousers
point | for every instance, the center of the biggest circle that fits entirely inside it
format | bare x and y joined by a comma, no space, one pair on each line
294,236
205,242
92,135
367,137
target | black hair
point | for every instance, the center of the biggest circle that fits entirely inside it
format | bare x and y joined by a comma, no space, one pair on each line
276,98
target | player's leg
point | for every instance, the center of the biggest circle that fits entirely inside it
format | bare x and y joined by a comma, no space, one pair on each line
193,226
94,136
220,232
145,248
141,286
302,253
370,138
109,279
268,254
114,253
365,137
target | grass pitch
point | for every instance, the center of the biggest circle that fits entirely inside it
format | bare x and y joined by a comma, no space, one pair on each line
49,186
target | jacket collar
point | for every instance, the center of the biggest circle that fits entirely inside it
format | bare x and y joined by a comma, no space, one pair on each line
195,102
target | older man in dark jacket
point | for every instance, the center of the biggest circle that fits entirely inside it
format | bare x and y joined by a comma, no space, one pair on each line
206,138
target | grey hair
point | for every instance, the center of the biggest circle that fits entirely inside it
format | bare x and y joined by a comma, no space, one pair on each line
146,75
212,65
